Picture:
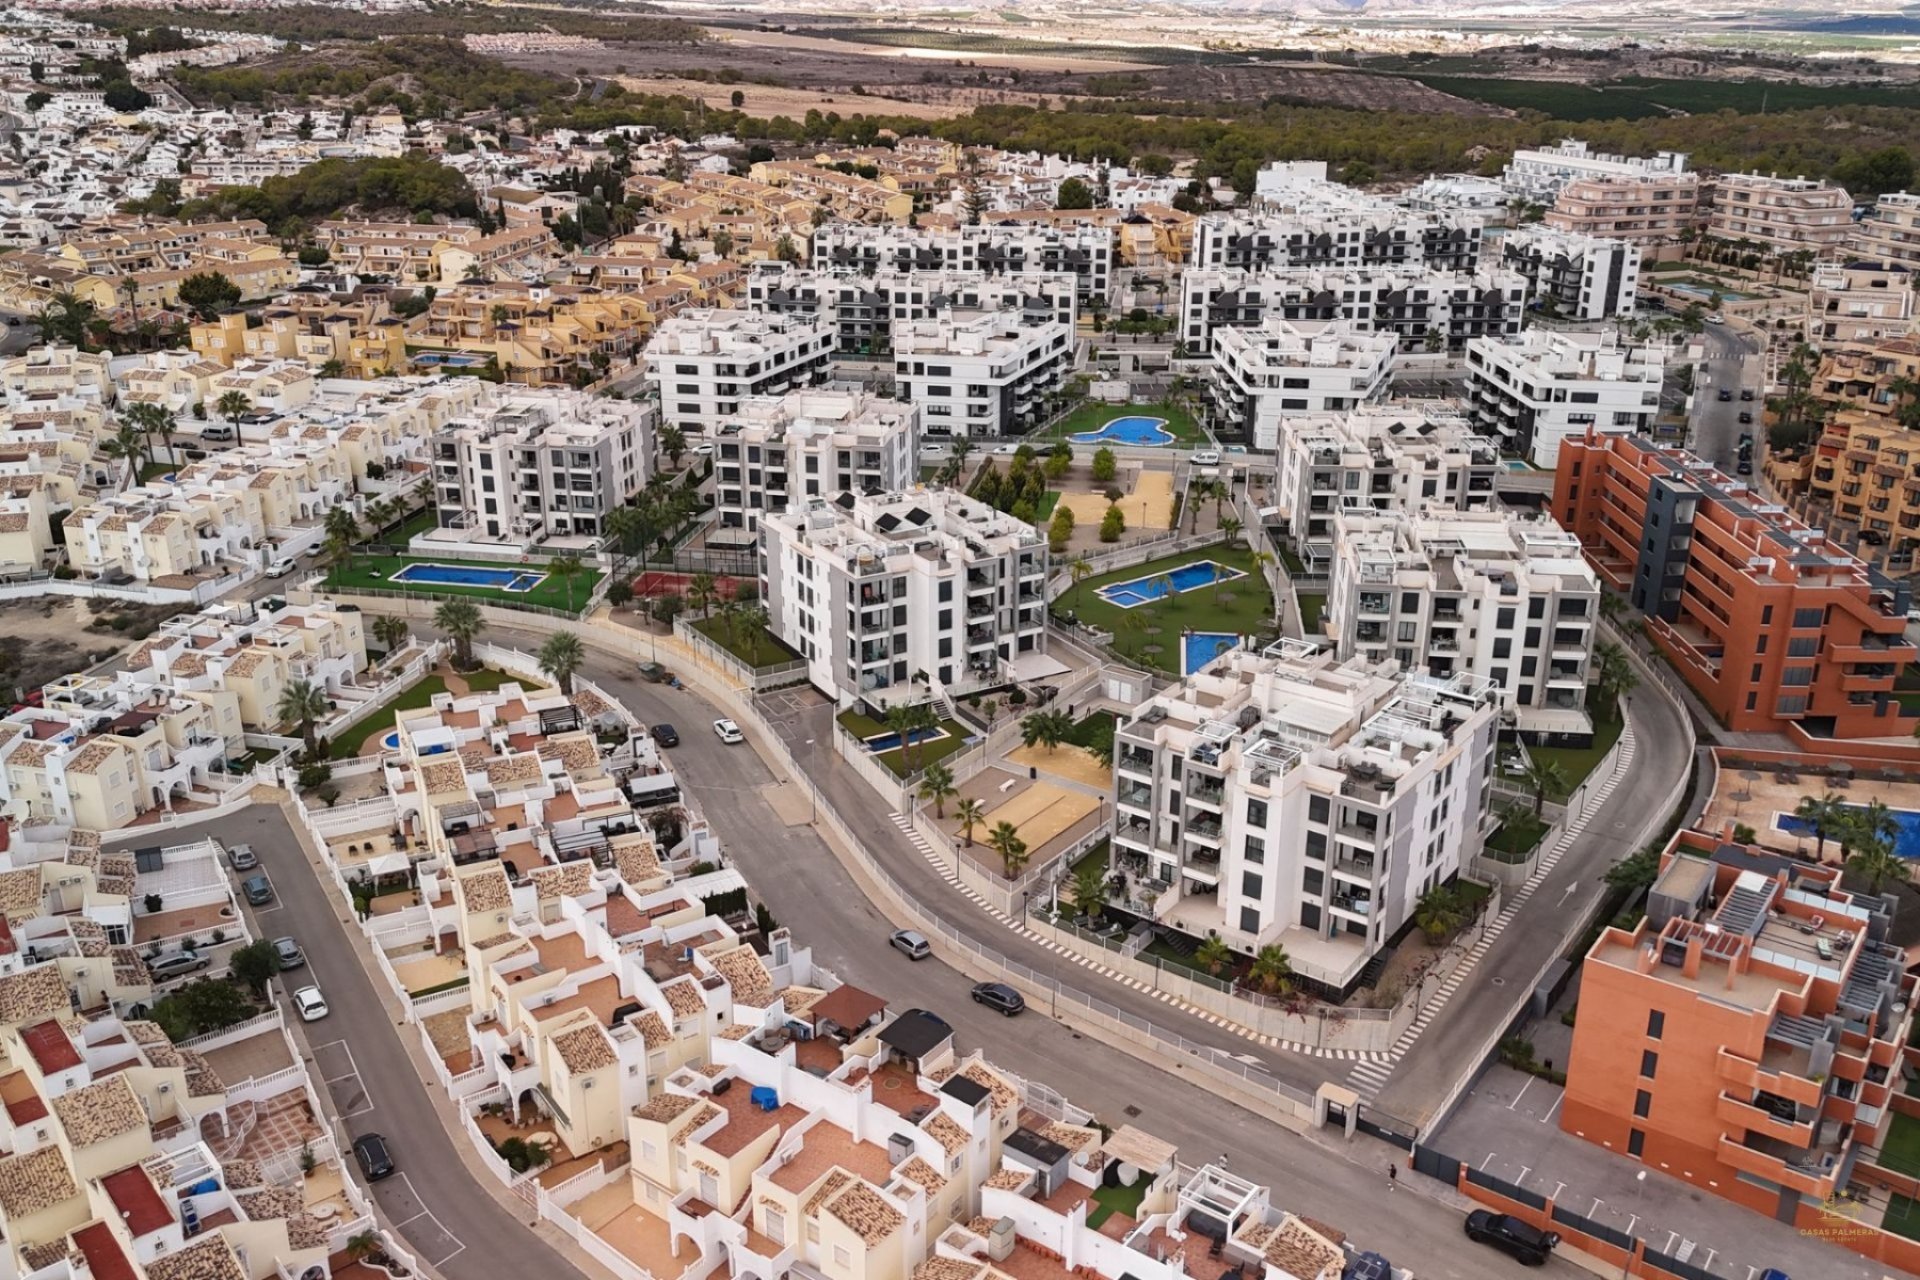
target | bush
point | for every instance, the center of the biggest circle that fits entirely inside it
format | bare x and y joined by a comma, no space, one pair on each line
314,774
1112,525
1017,698
1105,466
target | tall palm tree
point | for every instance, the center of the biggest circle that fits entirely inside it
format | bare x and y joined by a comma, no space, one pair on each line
461,620
341,529
1821,813
233,406
151,420
1271,972
560,656
1079,570
900,719
1541,776
936,785
1439,912
1045,728
1089,889
1612,606
127,442
1876,863
392,631
702,592
1876,823
567,568
1005,840
1231,527
969,813
1213,955
305,704
1614,676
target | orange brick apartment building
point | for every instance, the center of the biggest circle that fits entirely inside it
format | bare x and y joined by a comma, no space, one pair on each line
1748,1036
1776,628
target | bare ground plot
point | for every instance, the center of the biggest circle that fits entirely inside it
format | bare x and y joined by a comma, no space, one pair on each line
1325,87
45,637
764,102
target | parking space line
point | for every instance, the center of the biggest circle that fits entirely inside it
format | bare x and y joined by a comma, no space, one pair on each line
1523,1092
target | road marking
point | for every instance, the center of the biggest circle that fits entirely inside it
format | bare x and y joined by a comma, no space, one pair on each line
1488,1160
1555,1107
1523,1093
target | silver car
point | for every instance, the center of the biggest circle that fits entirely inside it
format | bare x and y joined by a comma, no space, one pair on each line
911,944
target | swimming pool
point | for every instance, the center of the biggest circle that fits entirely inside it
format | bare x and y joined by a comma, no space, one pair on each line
1188,577
1705,293
890,741
392,741
448,360
1134,429
1198,648
1906,837
468,575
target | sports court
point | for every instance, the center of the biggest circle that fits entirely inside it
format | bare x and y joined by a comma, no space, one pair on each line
660,582
1042,811
1075,764
1149,506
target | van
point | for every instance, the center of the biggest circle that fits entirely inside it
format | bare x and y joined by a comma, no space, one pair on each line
219,433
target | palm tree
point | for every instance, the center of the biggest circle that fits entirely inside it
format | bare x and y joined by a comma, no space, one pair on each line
128,443
392,631
1163,583
151,420
341,529
333,369
1089,889
673,442
1876,823
1213,955
233,406
1541,776
969,813
1876,863
461,620
363,1245
560,656
567,568
1439,912
904,720
1271,973
702,592
1821,813
1045,728
937,785
922,720
1005,840
1614,676
305,704
1612,606
1079,570
1231,526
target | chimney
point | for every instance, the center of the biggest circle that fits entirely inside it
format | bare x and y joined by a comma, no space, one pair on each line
1695,945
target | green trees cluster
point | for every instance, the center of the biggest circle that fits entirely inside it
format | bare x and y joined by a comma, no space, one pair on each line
1018,491
1060,531
414,183
310,23
1112,525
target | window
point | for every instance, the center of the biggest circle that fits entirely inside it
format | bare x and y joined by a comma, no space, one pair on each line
1649,1063
1251,885
1317,809
1642,1104
1807,617
1313,882
1636,1143
841,1257
1316,846
1257,813
1656,1024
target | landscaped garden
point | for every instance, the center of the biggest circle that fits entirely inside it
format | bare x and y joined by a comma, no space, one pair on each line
1518,836
414,698
746,639
1575,763
928,746
1149,633
1091,417
540,583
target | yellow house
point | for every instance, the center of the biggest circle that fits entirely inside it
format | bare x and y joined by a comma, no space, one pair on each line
104,1127
583,1087
26,533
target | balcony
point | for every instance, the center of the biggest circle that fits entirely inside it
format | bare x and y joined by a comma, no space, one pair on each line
1767,1120
1131,761
1356,868
1354,833
1201,829
1213,795
1353,904
1136,797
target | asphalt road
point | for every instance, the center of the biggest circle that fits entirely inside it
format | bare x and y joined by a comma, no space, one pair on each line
355,1056
1733,362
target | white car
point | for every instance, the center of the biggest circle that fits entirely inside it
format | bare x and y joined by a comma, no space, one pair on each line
281,567
701,450
729,732
311,1004
1714,317
1207,458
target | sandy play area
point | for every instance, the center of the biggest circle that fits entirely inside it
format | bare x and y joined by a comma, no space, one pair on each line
1043,811
1149,506
1075,764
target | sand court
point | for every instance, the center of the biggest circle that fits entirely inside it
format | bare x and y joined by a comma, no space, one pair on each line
1043,811
1075,764
1149,506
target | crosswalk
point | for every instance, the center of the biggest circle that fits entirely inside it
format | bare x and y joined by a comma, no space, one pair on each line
946,872
1369,1078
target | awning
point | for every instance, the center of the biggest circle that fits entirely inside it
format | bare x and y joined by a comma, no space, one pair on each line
1141,1150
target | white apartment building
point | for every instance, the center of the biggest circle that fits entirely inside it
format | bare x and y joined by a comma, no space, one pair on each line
900,597
779,451
1264,374
863,310
1577,276
1085,252
1338,231
980,375
1287,797
1509,599
1859,302
1785,215
1534,391
1408,301
541,464
1388,457
704,363
1891,233
1538,174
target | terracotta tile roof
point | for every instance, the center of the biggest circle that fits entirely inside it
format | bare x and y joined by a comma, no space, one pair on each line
871,1215
487,889
635,859
684,998
100,1111
33,993
35,1181
949,1269
919,1171
951,1137
1301,1252
443,776
20,896
702,1115
569,880
241,1174
987,1078
654,1030
209,1258
202,1080
516,770
1073,1137
667,1106
1009,1178
271,1203
830,1186
585,1049
743,971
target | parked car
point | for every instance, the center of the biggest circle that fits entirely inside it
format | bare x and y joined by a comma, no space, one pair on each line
281,566
1520,1240
1368,1266
241,857
1746,416
1207,458
1714,317
370,1152
259,890
654,673
729,732
666,735
912,945
218,433
1746,393
999,996
177,965
1725,394
311,1004
1744,467
289,952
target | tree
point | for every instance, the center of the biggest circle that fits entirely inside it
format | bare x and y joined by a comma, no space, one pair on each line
341,529
1105,466
785,249
121,95
255,964
969,813
1112,525
560,656
233,406
391,631
567,568
304,704
152,420
619,593
1614,676
673,442
1074,194
1213,955
738,99
1079,569
1637,871
126,442
1005,840
1271,972
203,1005
1440,912
1045,728
1874,173
1542,776
1876,863
1612,606
209,293
1823,814
461,620
702,591
1089,889
936,785
1231,527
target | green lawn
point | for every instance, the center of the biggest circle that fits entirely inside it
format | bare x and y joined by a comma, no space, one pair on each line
1091,417
376,573
1094,857
1048,501
1311,606
756,646
1111,1200
1161,951
1095,733
347,746
1577,762
1902,1216
1293,562
151,471
1516,838
924,754
1243,605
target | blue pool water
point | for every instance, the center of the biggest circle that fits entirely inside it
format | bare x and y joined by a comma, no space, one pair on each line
1906,839
1188,577
1135,429
1201,647
1695,291
448,360
890,741
392,741
468,575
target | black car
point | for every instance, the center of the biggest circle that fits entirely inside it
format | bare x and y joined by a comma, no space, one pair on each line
1745,416
1526,1243
666,735
1725,394
370,1149
1000,996
1746,393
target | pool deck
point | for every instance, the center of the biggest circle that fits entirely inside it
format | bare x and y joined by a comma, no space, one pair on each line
514,580
1755,801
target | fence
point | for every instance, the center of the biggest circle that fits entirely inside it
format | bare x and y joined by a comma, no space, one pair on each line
1170,543
238,1031
388,690
759,679
623,1267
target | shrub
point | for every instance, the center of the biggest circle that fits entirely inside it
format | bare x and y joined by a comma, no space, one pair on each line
314,774
1112,525
1105,466
1017,698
